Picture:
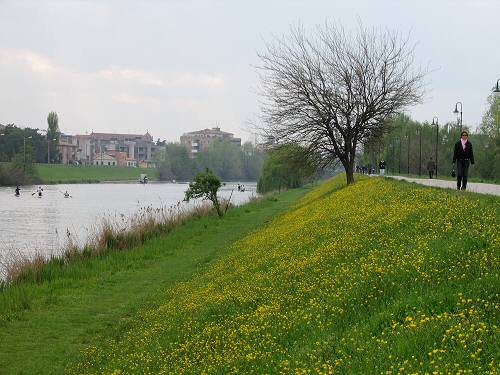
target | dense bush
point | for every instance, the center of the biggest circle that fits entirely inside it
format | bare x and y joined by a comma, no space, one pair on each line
12,175
287,166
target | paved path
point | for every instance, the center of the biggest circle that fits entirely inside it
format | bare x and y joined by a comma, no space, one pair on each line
471,186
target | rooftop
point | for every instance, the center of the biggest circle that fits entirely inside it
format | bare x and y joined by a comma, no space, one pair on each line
215,130
108,136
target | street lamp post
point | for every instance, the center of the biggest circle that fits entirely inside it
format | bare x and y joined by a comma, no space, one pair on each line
497,88
24,151
408,153
419,151
435,121
457,112
399,158
393,171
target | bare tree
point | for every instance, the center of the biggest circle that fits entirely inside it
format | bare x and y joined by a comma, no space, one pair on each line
333,91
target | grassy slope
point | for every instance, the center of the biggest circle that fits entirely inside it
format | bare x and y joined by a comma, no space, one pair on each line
378,276
43,327
57,173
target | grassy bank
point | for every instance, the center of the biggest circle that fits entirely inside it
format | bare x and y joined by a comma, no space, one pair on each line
58,173
44,325
378,277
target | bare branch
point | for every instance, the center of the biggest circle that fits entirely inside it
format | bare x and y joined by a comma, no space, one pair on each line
333,90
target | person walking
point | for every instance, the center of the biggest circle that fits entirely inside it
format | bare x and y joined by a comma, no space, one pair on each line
463,156
381,167
431,167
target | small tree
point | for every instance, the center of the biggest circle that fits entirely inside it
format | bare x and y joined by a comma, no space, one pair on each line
205,186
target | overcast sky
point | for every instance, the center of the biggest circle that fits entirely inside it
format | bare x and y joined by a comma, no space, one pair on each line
174,66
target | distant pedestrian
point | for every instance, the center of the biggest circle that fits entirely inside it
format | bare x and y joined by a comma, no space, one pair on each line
18,191
381,167
463,155
431,167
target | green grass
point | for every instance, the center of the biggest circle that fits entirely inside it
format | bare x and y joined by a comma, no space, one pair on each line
381,276
58,173
43,326
378,277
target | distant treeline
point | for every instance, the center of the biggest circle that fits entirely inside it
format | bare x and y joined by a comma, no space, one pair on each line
227,160
15,140
20,148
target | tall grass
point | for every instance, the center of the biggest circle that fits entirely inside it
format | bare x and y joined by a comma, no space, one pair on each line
113,233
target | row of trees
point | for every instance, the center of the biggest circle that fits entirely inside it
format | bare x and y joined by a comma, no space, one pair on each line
37,146
20,148
15,141
409,144
225,159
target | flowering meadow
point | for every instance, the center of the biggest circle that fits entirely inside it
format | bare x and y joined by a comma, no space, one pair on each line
378,277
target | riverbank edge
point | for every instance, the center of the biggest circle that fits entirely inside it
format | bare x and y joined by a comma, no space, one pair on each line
110,239
40,309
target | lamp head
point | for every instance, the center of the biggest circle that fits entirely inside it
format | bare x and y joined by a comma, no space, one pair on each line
497,88
456,109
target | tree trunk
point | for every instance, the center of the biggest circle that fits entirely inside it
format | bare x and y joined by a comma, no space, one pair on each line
349,171
215,201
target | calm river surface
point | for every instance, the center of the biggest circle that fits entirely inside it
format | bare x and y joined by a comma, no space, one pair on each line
30,225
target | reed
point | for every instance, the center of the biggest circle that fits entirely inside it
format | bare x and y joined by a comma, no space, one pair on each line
113,233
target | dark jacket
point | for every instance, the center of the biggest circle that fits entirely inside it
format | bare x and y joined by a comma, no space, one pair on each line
460,153
431,165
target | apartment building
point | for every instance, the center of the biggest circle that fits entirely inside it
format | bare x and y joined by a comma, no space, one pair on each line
125,149
201,139
68,148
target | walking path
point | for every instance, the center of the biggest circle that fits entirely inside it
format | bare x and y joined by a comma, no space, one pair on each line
471,186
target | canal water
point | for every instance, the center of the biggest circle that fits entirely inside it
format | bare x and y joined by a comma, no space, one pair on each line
30,225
